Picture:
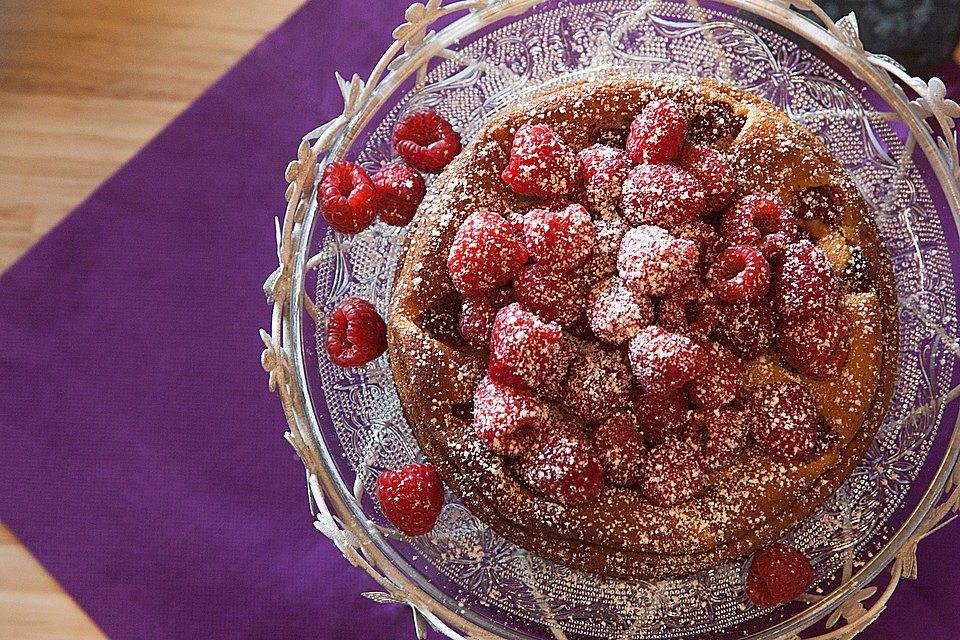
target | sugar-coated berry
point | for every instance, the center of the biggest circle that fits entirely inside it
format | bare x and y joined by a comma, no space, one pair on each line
663,361
563,466
717,436
523,348
661,194
346,197
603,169
598,383
745,329
411,497
356,334
601,263
554,296
426,141
661,416
397,191
653,262
815,345
506,419
777,575
711,168
475,320
484,254
559,240
551,386
541,163
803,282
784,420
691,310
719,382
619,448
708,241
657,132
615,312
671,474
739,275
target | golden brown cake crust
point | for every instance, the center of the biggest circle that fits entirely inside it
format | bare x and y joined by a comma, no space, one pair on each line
747,504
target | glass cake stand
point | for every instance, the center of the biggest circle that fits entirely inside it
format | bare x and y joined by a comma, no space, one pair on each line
895,136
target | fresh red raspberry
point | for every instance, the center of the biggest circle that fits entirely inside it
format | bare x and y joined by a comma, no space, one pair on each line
760,220
719,382
671,473
815,345
346,197
507,420
604,169
657,132
717,436
778,575
559,240
661,416
555,297
653,262
541,163
619,447
784,420
598,384
411,497
485,254
691,310
739,275
663,361
616,312
523,349
426,141
397,192
711,168
476,320
823,204
563,466
602,261
713,122
804,282
356,334
551,388
661,194
745,329
708,241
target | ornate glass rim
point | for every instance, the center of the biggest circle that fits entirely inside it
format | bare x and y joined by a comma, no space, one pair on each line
284,357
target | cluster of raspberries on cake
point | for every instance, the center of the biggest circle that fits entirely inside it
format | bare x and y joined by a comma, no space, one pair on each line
619,310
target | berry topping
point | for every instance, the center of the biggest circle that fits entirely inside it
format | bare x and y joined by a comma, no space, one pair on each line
563,466
559,240
778,575
426,141
717,436
661,194
712,170
602,261
507,420
784,420
706,237
760,220
662,361
661,416
551,388
745,329
476,320
541,163
411,497
604,169
346,197
619,447
523,349
804,282
616,312
356,334
598,384
739,274
822,204
719,382
653,262
485,254
671,473
691,310
397,192
557,297
657,132
713,122
815,345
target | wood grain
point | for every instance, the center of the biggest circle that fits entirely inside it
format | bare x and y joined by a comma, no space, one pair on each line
83,85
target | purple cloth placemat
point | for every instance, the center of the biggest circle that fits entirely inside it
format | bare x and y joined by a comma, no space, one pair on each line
141,456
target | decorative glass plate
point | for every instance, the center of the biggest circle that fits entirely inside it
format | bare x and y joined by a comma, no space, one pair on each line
347,424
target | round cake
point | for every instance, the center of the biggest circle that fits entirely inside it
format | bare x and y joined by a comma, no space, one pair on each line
631,526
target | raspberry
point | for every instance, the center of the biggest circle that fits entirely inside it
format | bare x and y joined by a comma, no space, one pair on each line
661,416
604,169
559,240
476,320
717,437
507,420
691,310
778,575
822,204
815,345
653,262
663,361
804,282
657,132
346,197
541,163
615,312
739,274
745,329
708,242
619,447
760,220
671,473
411,497
712,170
551,387
564,467
523,349
661,194
356,334
719,382
784,420
713,122
426,141
602,261
555,297
397,192
598,384
485,254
